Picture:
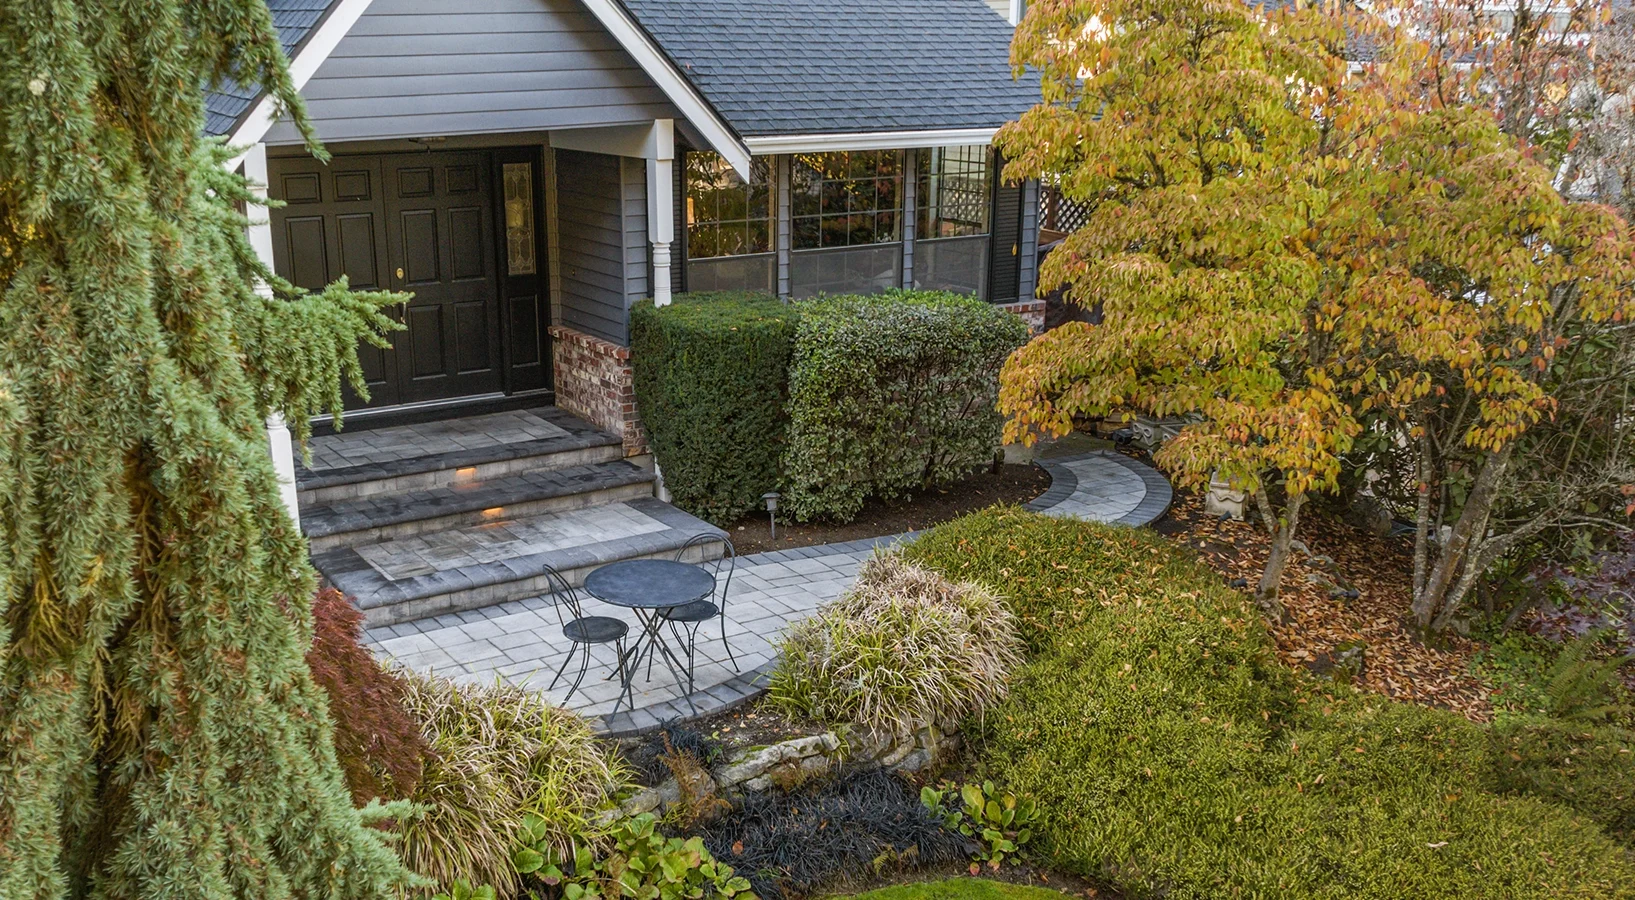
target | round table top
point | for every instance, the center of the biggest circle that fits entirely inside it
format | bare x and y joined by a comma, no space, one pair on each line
649,583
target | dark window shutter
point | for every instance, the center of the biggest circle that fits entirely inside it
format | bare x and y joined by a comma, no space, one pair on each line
1004,263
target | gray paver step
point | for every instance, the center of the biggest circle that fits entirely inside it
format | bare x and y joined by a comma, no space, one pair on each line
476,565
362,463
378,517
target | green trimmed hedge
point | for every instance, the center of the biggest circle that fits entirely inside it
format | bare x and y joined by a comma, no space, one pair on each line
711,374
1173,755
892,393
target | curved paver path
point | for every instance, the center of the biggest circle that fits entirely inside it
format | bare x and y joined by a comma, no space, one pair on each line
522,643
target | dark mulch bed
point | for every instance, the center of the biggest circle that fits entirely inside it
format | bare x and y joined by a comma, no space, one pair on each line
1012,484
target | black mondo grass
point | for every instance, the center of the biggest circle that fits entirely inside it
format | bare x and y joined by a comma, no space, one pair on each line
791,845
672,739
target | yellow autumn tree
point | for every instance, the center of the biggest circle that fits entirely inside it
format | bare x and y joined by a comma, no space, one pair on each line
1260,209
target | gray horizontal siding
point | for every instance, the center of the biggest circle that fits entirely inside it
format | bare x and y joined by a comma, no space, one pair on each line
637,271
413,68
592,238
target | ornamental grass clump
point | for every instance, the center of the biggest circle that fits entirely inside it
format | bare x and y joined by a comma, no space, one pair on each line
903,648
498,755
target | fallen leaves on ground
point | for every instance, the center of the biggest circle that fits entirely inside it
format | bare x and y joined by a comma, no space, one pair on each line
1398,664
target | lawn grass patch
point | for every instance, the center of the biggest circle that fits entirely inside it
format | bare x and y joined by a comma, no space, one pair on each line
1173,755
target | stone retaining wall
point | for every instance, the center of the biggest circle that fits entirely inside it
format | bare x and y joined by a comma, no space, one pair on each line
789,764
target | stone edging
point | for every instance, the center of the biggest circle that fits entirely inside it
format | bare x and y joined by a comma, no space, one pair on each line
748,686
790,763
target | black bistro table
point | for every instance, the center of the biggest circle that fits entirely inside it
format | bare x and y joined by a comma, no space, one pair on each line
648,587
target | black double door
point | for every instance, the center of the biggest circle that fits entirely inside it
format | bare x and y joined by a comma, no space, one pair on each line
426,224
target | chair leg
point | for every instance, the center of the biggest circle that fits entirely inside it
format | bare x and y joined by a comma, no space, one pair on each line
584,666
730,658
572,649
692,653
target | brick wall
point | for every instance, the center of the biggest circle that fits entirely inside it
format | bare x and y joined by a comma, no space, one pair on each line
1031,311
594,382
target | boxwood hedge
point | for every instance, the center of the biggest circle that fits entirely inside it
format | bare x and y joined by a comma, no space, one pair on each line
892,393
711,380
1173,756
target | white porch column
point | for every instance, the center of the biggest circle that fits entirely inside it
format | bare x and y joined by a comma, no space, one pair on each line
661,204
260,233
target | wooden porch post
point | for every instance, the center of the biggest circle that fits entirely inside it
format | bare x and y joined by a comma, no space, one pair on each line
260,233
661,205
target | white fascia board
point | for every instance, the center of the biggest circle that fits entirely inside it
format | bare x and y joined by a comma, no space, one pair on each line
308,58
676,87
771,145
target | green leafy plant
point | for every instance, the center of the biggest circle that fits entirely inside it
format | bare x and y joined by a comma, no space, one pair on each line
462,890
644,864
711,378
904,648
890,394
1000,823
1579,686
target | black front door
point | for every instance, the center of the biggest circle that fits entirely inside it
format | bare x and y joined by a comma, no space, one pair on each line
440,246
422,223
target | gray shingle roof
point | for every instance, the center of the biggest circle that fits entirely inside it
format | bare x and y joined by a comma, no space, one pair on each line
782,67
227,103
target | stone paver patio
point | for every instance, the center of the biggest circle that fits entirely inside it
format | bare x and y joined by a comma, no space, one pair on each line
521,642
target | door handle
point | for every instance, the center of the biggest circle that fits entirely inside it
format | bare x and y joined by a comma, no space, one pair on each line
400,274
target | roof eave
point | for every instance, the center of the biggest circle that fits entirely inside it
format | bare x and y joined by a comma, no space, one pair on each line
773,144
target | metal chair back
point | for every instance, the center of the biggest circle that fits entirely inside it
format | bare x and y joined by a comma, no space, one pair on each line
727,561
557,585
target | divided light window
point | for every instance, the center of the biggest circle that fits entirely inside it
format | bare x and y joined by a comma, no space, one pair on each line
727,216
952,192
846,199
953,202
729,225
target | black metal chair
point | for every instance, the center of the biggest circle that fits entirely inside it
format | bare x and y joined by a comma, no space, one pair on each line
692,617
583,632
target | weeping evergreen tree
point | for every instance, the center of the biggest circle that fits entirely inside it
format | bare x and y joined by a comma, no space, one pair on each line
160,735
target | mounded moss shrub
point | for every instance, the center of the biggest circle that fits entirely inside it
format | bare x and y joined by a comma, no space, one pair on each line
890,394
1590,768
499,754
1173,756
711,379
903,647
377,742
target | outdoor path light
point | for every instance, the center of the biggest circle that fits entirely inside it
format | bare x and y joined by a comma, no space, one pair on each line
771,498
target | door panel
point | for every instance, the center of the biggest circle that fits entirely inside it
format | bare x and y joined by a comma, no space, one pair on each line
334,225
441,246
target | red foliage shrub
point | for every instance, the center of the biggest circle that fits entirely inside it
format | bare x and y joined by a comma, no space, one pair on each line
379,745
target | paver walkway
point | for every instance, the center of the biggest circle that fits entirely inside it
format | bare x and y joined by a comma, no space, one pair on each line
521,642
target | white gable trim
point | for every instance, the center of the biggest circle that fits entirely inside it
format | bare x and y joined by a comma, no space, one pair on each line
676,87
308,57
868,140
329,32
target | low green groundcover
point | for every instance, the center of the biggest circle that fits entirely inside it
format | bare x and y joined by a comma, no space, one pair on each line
1173,755
961,889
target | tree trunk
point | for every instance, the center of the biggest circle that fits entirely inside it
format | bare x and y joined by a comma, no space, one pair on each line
1429,605
1422,514
1266,595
